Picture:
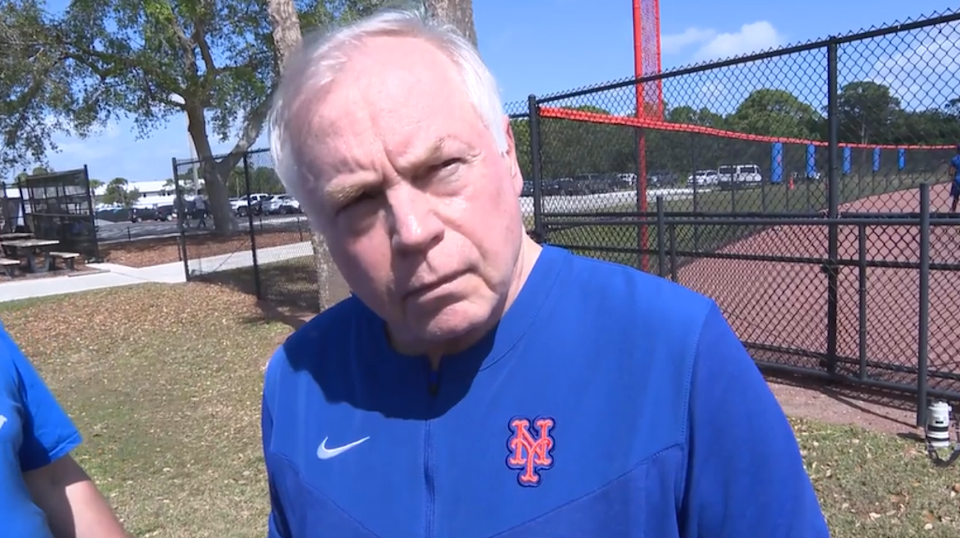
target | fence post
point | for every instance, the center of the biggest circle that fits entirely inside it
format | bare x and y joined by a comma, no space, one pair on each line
641,192
833,118
536,166
696,188
924,297
91,203
661,237
258,291
673,252
862,275
181,208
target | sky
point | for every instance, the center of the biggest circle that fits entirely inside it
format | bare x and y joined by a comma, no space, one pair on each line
548,46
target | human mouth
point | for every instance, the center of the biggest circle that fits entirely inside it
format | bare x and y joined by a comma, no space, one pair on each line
420,291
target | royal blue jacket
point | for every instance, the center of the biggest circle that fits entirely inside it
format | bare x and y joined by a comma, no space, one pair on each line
608,402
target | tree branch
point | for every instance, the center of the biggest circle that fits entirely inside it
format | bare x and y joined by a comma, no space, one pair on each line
248,135
186,45
199,37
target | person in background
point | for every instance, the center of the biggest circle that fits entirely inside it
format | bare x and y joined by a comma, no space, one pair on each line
955,184
200,207
478,384
44,493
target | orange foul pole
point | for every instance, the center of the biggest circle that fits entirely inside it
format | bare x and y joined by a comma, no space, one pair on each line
646,61
642,242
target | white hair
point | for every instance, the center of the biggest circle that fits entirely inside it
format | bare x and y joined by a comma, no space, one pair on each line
319,59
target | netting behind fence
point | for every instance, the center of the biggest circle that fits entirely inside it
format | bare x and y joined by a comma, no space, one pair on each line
59,206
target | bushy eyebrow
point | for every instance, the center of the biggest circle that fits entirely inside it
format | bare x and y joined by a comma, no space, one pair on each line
415,160
338,194
342,191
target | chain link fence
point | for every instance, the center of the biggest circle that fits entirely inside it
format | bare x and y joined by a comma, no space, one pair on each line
787,186
259,242
805,189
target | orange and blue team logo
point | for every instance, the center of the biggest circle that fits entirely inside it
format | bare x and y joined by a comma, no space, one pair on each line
530,448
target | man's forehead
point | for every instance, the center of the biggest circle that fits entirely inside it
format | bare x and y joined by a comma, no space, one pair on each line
386,96
393,75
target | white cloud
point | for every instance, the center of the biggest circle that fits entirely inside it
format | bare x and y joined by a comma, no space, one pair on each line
675,43
715,45
752,37
923,67
713,89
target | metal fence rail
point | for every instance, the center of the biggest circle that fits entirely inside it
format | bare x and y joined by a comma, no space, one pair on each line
799,188
802,188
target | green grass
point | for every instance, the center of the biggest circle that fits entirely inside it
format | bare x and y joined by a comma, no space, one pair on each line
164,382
291,283
619,242
878,485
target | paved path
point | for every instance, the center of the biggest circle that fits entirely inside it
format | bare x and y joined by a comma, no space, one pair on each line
112,275
244,258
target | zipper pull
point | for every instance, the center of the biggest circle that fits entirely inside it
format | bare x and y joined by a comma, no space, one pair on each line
434,383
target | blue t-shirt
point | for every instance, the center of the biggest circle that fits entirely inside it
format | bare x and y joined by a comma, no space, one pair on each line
608,402
34,432
955,163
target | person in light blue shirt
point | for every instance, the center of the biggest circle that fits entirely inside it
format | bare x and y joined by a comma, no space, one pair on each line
43,492
955,184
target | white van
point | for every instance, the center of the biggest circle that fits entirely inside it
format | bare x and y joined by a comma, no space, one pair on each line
745,174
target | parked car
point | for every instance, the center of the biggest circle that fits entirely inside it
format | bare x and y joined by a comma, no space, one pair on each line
527,188
281,204
140,214
661,179
738,176
240,206
704,177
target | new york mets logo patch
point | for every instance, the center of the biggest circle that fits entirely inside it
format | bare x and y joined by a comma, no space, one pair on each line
530,448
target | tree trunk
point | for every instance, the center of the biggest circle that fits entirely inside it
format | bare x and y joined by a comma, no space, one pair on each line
285,24
458,13
214,179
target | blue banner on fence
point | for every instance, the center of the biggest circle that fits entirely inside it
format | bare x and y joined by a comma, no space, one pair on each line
776,160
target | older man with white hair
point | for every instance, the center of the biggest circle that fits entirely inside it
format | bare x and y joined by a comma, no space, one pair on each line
478,384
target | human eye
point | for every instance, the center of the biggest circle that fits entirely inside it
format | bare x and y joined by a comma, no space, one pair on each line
444,169
354,202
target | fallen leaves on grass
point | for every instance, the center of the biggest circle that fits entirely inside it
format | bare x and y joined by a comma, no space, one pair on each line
164,383
878,485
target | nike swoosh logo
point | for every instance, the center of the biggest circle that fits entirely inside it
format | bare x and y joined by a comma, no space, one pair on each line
325,453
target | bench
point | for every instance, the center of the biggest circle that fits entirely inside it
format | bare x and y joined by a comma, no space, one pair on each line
9,266
69,258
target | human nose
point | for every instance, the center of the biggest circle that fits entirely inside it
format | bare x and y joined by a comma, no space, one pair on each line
414,225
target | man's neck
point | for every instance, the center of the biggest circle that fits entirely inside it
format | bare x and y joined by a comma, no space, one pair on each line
435,351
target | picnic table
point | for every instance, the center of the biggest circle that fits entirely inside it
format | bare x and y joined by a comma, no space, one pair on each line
30,249
15,235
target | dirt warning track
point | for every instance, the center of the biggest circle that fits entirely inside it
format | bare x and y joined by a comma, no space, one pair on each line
785,304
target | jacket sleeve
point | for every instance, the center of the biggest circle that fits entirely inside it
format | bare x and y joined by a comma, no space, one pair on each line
745,475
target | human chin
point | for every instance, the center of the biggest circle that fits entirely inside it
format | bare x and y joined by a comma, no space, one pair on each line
445,316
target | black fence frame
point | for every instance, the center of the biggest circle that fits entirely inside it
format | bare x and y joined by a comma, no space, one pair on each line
75,230
830,363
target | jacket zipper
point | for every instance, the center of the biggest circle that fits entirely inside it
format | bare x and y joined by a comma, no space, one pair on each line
428,461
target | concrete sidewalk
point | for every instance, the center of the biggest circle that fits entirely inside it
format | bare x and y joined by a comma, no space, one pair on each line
113,275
